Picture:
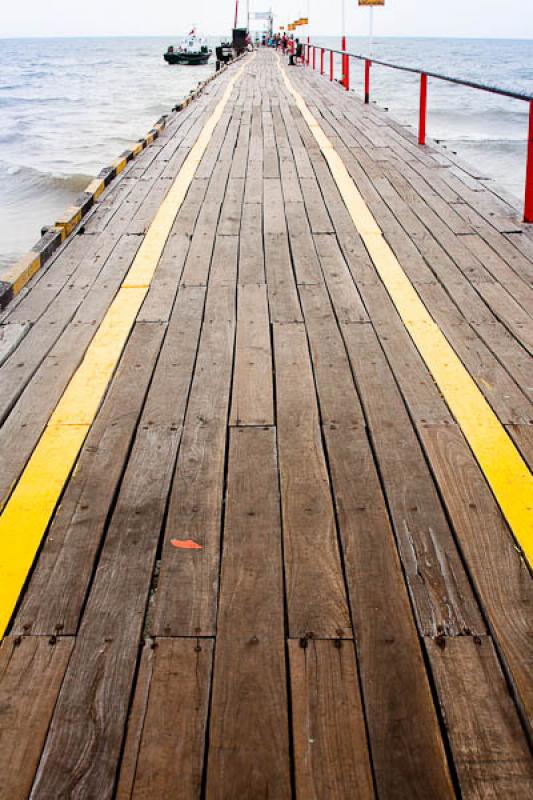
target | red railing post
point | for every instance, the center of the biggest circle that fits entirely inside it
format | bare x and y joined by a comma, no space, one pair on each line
321,60
347,74
368,64
314,57
343,61
528,208
308,51
331,65
423,108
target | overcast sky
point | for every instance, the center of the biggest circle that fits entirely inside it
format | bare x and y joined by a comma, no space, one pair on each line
466,18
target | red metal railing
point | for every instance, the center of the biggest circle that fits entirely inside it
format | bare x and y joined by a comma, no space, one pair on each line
424,76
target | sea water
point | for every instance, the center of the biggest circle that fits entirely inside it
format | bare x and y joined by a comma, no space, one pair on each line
68,107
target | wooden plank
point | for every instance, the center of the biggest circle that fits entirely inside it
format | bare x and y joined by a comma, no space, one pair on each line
224,263
31,672
339,403
252,395
186,600
196,269
489,748
290,184
251,252
405,740
282,295
143,218
507,310
164,751
499,573
509,352
523,437
316,597
303,251
345,298
273,207
319,218
439,587
249,730
162,292
161,296
519,289
230,215
11,334
330,746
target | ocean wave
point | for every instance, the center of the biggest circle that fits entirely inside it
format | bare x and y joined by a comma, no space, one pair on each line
26,179
16,102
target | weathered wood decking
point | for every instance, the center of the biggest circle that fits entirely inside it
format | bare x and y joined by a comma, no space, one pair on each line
277,568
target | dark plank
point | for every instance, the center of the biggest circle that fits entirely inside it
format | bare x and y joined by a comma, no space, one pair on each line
315,587
186,600
252,394
251,253
230,215
330,747
345,298
196,269
489,748
249,730
165,744
303,251
282,294
31,672
223,270
339,403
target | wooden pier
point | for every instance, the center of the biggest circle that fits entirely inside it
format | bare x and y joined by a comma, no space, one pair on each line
265,449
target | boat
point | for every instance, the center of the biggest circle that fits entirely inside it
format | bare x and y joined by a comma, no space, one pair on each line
193,49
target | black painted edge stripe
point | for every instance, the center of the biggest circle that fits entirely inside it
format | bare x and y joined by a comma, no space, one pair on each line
6,293
84,202
107,174
48,244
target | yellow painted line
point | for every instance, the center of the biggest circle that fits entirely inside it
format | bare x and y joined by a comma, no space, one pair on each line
119,165
19,275
28,511
505,470
96,187
70,220
137,148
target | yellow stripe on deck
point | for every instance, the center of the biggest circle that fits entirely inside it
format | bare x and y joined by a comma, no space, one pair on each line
504,468
28,511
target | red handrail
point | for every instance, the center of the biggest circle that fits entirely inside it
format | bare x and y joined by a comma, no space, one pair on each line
424,75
